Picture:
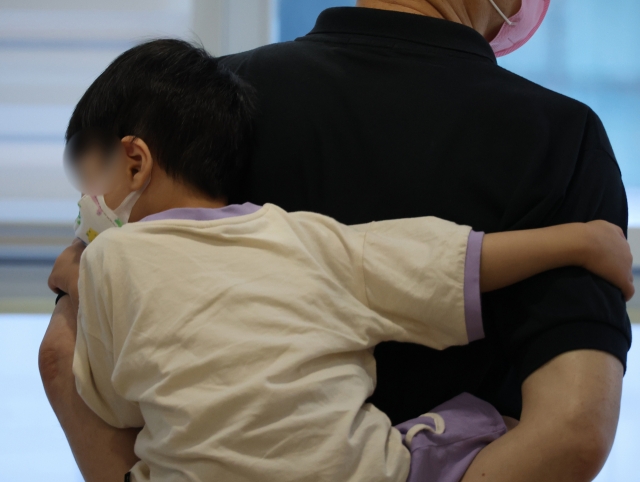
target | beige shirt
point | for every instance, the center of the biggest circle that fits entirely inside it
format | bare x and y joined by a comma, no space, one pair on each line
244,345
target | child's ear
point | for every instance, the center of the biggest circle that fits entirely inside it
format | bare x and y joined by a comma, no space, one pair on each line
139,161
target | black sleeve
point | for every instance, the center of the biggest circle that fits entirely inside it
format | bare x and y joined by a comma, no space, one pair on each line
567,309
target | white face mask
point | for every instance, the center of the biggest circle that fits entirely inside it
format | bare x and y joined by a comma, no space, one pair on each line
95,216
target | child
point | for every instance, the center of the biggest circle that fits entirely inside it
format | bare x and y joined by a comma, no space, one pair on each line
240,337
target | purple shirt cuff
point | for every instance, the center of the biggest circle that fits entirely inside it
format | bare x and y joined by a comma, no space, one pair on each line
472,305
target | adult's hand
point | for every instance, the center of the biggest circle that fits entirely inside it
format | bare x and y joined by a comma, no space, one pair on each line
102,452
66,270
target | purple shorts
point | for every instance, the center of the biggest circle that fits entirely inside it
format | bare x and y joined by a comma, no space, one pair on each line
444,442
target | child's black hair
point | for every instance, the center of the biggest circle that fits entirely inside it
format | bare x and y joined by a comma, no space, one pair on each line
195,115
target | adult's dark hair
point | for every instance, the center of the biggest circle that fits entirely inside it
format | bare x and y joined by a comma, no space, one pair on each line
195,116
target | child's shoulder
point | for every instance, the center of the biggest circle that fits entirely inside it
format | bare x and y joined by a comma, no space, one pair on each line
111,242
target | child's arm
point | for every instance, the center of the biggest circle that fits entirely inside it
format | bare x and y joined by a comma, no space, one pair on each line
598,246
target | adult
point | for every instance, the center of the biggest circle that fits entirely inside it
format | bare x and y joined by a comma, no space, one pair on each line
398,108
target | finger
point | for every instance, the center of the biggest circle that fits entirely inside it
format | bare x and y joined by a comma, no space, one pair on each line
78,246
629,292
56,280
52,281
51,285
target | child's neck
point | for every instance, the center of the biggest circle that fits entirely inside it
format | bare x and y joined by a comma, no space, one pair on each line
164,193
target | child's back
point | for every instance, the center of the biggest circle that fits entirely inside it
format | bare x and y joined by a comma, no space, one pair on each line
244,344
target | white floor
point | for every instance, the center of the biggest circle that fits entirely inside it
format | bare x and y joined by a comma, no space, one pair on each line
33,448
32,445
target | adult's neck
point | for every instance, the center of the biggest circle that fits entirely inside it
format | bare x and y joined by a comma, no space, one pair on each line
477,14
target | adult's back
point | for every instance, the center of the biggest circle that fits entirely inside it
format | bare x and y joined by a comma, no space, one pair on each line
378,115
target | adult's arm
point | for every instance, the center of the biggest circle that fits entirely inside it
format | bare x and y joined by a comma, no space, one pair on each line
569,308
567,331
102,452
568,423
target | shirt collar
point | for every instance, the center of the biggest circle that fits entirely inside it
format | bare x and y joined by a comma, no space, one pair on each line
204,214
403,26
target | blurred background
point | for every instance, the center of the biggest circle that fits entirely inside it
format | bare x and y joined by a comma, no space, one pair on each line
51,50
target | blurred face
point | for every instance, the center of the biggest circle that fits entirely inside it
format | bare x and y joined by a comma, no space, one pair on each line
93,172
116,178
101,170
112,176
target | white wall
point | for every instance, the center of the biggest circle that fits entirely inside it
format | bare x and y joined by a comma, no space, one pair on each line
227,27
51,51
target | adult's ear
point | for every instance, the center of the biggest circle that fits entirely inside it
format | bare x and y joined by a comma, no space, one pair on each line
139,161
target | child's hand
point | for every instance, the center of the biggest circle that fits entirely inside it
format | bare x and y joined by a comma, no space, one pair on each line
609,255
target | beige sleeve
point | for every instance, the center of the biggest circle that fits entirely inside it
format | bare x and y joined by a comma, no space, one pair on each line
94,359
414,277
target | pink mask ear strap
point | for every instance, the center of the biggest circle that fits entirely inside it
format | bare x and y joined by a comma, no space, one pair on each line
506,19
98,205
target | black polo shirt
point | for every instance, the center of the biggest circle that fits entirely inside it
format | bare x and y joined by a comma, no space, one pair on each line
379,115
